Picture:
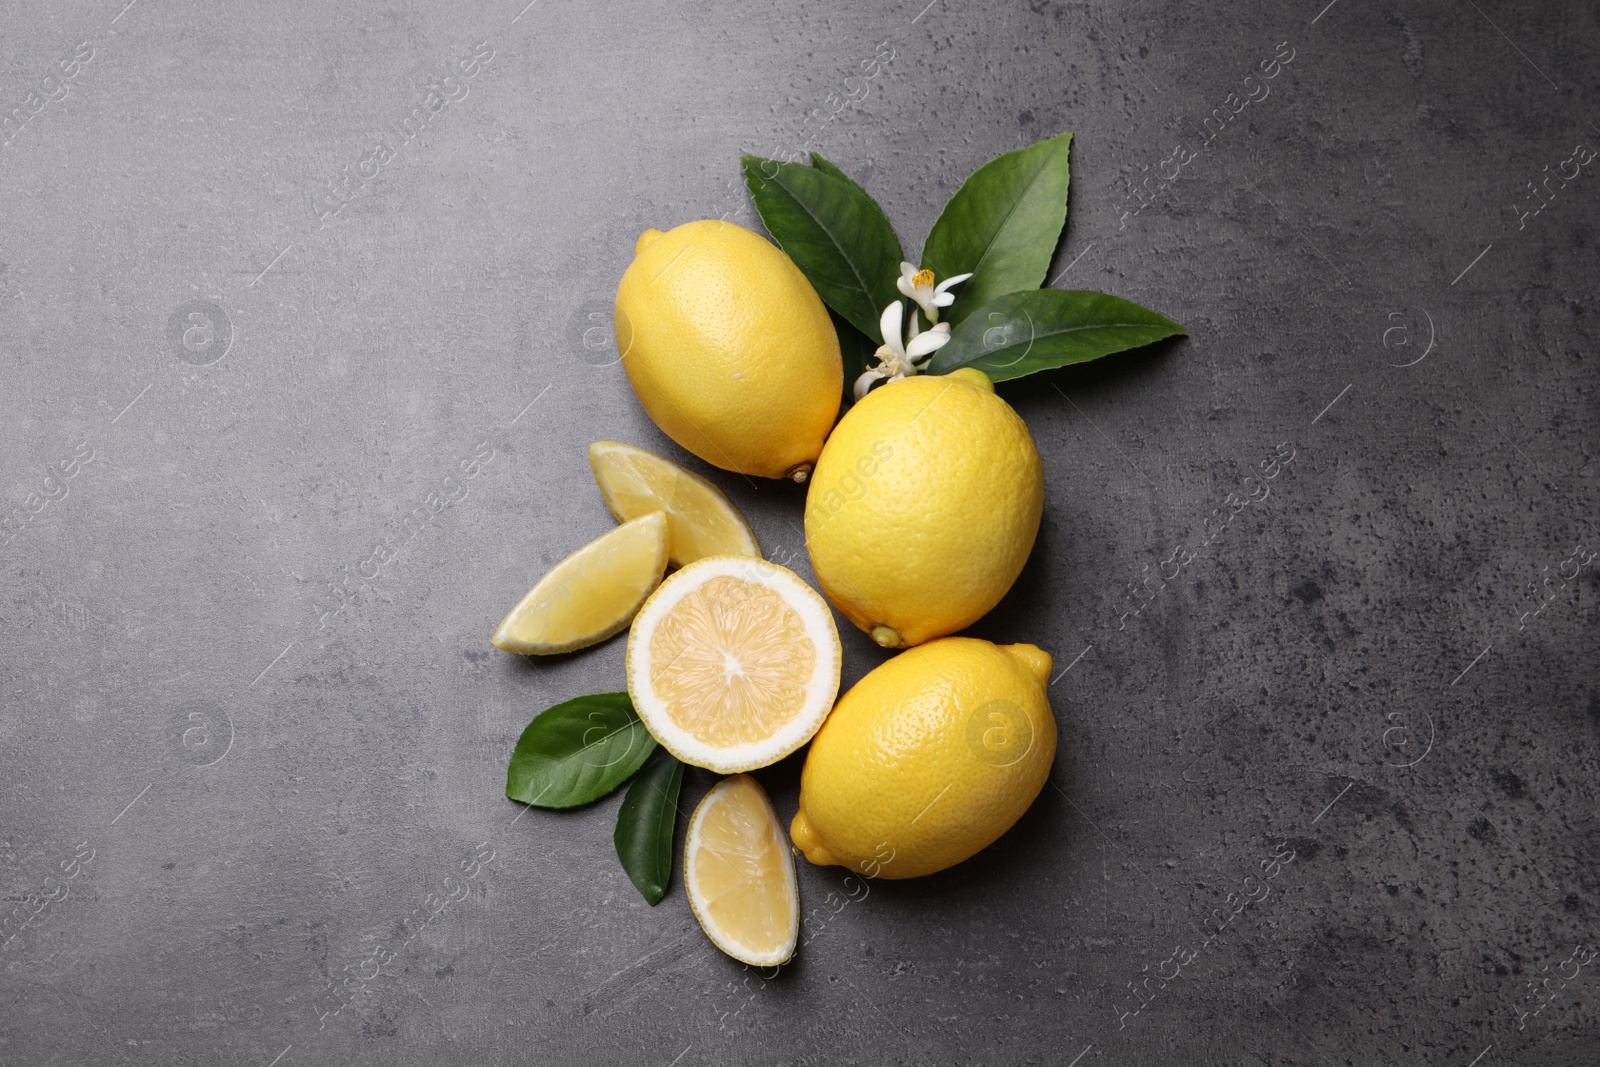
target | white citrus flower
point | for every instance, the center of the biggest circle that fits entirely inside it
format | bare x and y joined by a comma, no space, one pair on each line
918,285
898,358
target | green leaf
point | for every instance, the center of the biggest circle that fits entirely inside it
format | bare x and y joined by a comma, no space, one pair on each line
835,233
644,826
578,751
1021,333
1002,226
857,352
829,167
855,347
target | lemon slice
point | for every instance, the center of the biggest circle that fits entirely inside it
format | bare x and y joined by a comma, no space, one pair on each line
739,875
700,520
592,593
733,663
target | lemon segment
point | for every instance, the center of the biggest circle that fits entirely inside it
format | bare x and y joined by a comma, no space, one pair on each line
733,663
700,520
928,759
739,875
591,594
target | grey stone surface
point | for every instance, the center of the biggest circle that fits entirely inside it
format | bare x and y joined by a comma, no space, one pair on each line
225,800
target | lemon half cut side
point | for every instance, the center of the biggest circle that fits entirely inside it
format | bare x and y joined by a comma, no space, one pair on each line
591,594
701,521
733,663
739,876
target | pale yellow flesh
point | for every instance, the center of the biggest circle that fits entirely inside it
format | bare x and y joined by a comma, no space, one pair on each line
739,874
700,520
731,662
591,594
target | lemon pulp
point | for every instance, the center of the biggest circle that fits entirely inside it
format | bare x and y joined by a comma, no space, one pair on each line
733,663
730,662
701,521
591,594
739,874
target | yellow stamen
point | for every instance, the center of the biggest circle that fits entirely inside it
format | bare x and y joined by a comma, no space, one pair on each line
923,279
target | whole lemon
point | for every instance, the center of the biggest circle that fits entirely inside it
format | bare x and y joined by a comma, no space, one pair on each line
928,759
729,348
924,506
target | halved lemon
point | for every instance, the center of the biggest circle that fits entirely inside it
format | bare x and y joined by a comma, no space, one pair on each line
739,875
700,520
592,593
733,663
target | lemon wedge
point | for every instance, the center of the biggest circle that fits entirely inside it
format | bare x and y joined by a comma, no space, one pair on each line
700,520
733,663
591,594
739,875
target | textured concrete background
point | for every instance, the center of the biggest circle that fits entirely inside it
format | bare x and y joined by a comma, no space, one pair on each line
247,819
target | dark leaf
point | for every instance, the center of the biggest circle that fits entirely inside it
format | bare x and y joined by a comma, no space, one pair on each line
856,349
1002,226
644,826
835,233
1021,333
578,751
829,167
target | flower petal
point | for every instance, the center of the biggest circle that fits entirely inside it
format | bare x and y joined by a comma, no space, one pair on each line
864,382
906,287
889,323
931,341
948,282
